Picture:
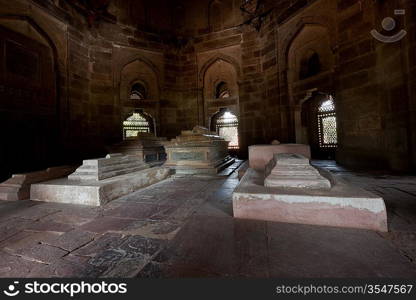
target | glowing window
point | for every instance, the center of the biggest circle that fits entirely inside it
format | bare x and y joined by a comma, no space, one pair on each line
227,128
327,124
135,124
327,106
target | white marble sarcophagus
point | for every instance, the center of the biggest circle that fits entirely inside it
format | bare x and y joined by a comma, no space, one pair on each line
197,151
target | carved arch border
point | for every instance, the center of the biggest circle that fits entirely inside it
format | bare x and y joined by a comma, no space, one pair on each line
323,21
40,31
218,57
146,61
118,73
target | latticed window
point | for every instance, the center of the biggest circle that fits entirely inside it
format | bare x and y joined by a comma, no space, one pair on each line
327,124
135,124
227,128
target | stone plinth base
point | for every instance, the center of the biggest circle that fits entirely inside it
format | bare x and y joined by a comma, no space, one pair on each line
18,186
96,193
146,147
342,206
112,165
260,155
200,168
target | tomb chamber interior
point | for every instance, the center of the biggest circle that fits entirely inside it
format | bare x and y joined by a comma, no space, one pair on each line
169,111
79,76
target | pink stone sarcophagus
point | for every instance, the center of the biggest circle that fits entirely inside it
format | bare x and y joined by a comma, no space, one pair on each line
18,186
99,181
292,199
260,155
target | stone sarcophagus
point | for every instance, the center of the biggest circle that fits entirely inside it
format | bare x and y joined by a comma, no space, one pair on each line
146,147
99,181
260,155
18,186
198,151
290,170
290,190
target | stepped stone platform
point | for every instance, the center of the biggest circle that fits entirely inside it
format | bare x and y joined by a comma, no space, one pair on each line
110,166
18,186
289,170
99,181
342,205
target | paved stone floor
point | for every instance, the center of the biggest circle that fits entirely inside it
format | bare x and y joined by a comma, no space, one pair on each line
183,227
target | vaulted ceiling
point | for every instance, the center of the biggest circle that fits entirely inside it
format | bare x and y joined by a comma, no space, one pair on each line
187,17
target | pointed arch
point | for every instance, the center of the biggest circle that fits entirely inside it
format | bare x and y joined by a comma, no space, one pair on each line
38,29
323,21
144,60
219,57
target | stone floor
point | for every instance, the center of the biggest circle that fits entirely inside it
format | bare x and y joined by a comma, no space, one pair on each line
183,227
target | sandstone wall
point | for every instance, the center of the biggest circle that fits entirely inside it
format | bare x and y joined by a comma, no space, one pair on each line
172,45
373,86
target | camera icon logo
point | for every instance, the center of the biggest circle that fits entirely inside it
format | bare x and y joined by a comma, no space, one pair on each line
11,290
389,24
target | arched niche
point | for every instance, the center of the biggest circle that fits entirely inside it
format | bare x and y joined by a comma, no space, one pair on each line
310,62
138,91
134,74
219,74
311,45
139,71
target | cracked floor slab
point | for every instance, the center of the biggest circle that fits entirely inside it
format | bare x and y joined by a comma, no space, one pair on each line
184,227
